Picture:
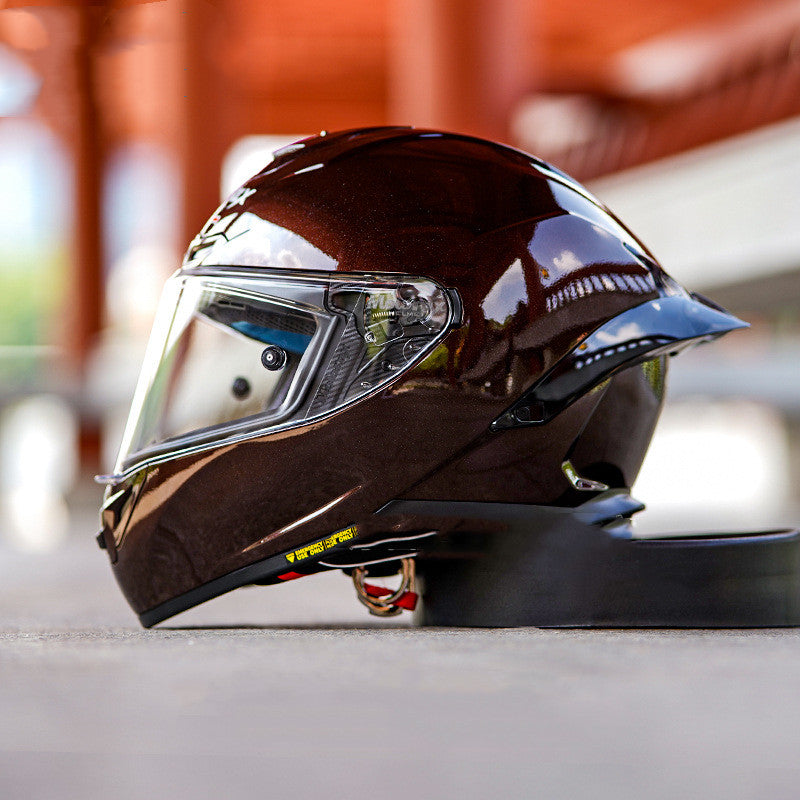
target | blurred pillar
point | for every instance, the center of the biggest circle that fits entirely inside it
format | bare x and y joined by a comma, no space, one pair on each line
460,64
206,127
84,306
86,281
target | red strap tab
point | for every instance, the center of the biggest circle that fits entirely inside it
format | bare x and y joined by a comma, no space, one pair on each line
408,600
376,591
290,576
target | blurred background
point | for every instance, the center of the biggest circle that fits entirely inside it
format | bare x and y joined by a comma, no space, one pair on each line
123,123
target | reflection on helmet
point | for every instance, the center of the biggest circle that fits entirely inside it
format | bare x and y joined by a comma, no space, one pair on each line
385,317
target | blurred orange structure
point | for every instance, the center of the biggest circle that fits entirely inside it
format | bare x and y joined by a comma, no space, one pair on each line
593,87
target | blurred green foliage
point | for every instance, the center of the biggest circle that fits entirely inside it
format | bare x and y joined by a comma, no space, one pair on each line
32,286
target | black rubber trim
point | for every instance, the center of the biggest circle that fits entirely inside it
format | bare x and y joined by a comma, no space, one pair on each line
268,568
261,571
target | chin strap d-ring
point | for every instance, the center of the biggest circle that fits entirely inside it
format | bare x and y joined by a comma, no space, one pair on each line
383,602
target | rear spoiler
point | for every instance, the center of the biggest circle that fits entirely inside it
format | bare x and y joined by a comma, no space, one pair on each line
665,325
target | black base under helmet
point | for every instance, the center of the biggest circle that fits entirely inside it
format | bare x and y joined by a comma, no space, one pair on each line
398,349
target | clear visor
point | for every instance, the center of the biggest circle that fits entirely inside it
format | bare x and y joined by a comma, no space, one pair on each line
232,356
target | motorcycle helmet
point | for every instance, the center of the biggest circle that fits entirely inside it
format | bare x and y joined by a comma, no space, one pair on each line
385,347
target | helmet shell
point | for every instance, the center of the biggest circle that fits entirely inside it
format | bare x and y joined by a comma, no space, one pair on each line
538,264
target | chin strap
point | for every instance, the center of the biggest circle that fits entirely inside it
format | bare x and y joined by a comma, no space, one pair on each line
383,602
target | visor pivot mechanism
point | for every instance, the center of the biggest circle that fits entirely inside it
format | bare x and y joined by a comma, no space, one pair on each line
383,602
273,357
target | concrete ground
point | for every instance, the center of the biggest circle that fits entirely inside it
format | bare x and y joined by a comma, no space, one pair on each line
295,691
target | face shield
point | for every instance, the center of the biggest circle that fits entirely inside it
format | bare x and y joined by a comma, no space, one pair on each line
236,353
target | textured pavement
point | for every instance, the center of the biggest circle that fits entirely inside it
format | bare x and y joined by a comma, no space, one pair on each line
308,697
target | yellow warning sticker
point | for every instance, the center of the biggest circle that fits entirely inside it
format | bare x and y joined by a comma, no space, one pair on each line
315,548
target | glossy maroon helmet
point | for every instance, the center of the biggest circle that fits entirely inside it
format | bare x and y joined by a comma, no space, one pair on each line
387,339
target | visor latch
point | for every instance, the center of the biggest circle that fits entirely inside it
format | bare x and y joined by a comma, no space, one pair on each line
383,602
